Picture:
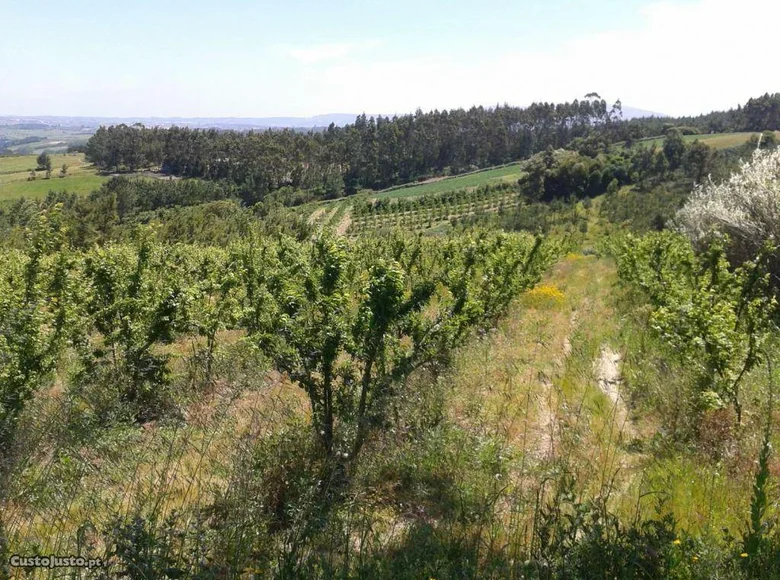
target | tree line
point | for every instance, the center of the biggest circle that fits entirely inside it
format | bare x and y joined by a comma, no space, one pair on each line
370,153
758,114
380,152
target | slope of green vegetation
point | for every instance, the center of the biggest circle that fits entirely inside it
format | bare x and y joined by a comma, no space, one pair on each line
514,373
506,173
715,140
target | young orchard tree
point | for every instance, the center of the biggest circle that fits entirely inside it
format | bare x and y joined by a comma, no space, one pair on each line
715,317
135,301
37,294
350,324
215,298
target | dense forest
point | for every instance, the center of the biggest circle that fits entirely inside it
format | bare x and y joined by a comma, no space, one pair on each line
375,153
371,153
758,114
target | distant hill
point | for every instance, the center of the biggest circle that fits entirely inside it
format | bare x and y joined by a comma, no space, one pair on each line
339,119
632,113
48,121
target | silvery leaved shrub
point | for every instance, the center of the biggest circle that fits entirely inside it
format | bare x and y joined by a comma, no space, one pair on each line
746,207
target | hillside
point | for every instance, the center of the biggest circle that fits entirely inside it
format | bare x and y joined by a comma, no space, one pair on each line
516,371
716,140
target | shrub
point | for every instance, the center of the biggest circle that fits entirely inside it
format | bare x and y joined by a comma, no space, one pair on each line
746,207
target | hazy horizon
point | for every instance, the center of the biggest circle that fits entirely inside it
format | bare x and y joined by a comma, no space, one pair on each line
243,59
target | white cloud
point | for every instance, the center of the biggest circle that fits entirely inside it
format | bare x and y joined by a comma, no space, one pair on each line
682,58
317,53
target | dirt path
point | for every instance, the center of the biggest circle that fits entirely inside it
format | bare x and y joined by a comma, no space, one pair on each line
346,221
610,381
547,412
567,341
547,421
315,215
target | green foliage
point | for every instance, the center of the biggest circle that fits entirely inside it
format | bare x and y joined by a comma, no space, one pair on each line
419,213
44,161
373,153
214,299
582,539
350,327
714,316
674,148
563,174
37,298
135,300
643,211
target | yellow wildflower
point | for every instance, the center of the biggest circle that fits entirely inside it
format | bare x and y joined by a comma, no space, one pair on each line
677,542
546,294
743,555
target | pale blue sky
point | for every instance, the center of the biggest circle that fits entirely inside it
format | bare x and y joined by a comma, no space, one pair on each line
301,57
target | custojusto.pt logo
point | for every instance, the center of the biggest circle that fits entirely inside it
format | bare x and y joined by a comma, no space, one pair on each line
18,561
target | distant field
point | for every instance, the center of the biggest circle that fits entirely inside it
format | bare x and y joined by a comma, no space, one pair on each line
339,214
81,184
24,163
49,139
15,172
716,140
489,176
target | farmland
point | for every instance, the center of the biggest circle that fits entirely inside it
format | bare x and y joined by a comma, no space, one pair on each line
31,138
505,174
432,210
15,171
269,365
715,140
426,206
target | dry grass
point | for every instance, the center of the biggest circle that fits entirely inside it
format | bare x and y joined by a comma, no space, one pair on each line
537,383
532,384
154,468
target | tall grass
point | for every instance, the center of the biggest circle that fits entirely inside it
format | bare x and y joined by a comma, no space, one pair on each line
511,463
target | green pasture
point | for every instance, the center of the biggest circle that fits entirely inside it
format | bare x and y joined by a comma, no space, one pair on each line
716,140
469,180
15,176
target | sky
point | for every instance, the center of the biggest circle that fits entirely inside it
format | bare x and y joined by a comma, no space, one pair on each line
254,58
